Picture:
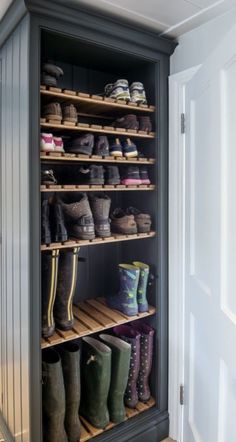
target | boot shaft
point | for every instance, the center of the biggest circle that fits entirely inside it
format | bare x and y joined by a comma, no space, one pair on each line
142,286
49,286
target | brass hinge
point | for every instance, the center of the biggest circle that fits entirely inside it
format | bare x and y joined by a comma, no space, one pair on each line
181,395
182,123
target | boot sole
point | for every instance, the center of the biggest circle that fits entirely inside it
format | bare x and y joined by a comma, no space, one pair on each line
113,182
131,154
53,117
116,154
130,182
96,182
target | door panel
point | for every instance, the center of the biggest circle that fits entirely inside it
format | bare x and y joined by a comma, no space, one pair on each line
210,269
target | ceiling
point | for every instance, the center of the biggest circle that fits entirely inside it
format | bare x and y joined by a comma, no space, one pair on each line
169,17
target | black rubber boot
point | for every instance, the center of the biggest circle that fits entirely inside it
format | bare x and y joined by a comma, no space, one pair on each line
95,381
67,276
45,225
120,363
70,359
49,286
59,231
53,398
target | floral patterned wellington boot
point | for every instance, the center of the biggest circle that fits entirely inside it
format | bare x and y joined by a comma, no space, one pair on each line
131,336
146,356
126,299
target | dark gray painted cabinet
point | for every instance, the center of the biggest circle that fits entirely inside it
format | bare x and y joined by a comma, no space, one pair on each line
22,42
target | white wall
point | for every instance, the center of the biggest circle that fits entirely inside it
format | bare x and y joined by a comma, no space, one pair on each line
196,45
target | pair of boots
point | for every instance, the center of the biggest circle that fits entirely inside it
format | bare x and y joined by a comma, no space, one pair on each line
132,296
53,227
104,373
59,276
140,337
61,394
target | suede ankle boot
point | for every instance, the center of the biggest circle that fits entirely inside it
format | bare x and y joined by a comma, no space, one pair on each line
146,357
67,277
120,363
53,398
133,338
95,381
100,205
70,359
49,287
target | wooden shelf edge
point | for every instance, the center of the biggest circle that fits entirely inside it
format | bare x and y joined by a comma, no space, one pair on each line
92,316
96,188
88,431
82,243
90,99
93,158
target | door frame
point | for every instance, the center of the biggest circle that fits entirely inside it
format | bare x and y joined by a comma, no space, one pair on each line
177,83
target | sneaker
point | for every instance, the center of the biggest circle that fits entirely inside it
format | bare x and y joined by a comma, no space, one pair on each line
47,142
116,148
143,220
131,176
102,146
47,177
144,175
145,124
129,149
129,121
123,223
92,175
112,175
83,144
52,111
59,145
69,113
118,90
137,93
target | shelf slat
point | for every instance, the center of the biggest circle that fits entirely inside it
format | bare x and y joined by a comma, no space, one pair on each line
92,316
90,128
89,431
95,188
94,103
116,237
66,157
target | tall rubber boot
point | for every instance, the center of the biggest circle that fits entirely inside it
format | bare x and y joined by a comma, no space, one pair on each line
70,359
53,398
146,357
49,285
133,338
142,286
120,363
95,381
67,277
126,299
45,223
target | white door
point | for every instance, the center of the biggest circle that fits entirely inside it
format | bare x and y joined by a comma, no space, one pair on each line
210,276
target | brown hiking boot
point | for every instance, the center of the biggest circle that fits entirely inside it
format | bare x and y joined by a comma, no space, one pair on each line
79,217
143,220
52,111
100,205
123,223
69,113
127,122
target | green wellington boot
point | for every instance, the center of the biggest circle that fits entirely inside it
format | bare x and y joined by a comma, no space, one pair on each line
53,398
49,266
120,363
142,286
95,381
70,359
67,277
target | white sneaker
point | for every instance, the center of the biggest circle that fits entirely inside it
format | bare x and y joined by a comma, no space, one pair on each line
137,93
46,142
58,144
118,90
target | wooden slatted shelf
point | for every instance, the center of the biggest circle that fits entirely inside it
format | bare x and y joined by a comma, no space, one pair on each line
95,128
88,431
93,103
67,157
115,237
92,316
93,188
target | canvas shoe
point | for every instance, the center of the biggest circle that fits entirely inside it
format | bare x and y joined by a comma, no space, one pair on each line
47,142
116,148
137,93
129,149
58,144
118,90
